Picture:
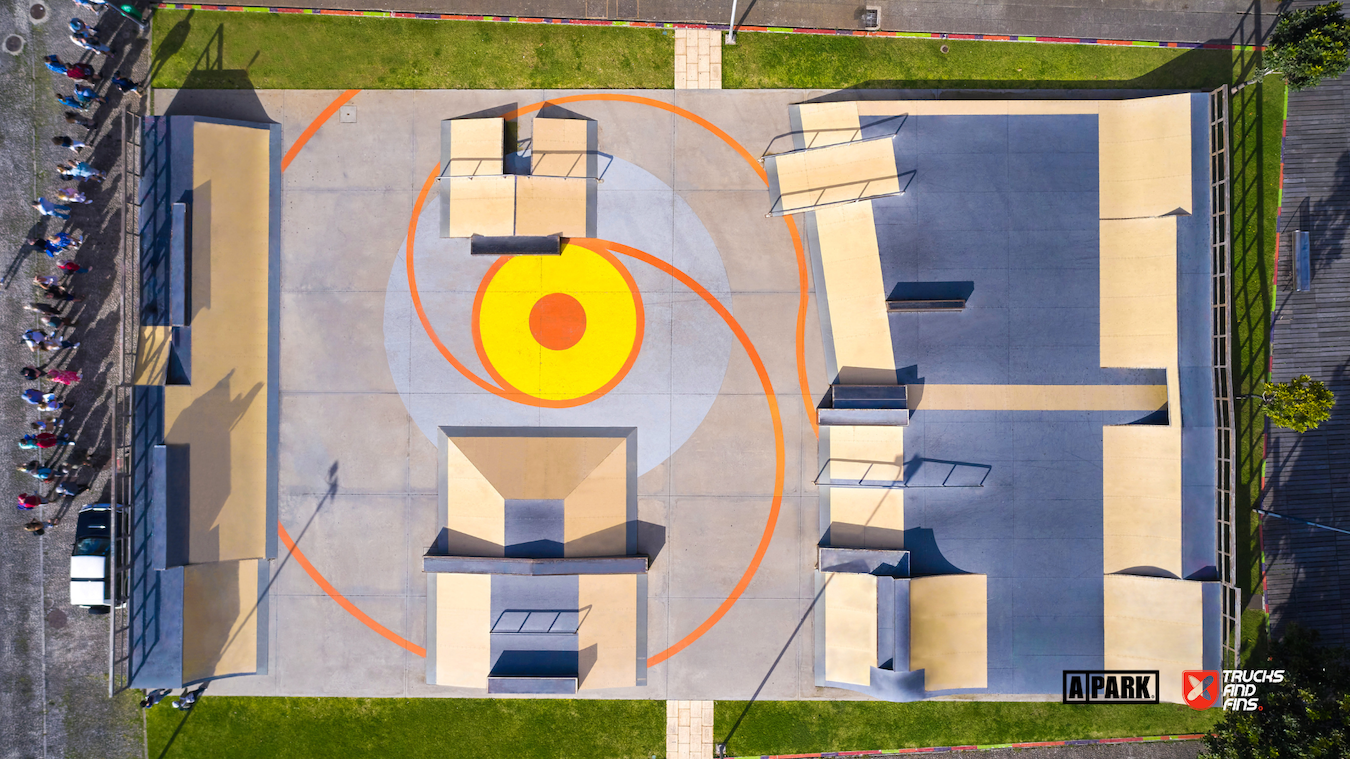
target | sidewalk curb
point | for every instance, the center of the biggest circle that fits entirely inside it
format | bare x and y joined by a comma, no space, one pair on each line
719,27
991,747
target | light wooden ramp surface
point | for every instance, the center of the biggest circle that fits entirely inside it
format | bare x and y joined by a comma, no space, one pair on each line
860,329
595,513
482,206
949,631
837,173
476,511
1036,397
850,627
867,518
220,619
873,454
1154,623
222,415
463,629
476,147
1141,498
607,636
828,123
152,355
558,147
550,206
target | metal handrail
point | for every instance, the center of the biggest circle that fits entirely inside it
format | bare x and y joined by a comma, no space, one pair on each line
119,624
1221,319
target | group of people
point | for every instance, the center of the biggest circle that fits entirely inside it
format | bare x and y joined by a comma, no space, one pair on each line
52,336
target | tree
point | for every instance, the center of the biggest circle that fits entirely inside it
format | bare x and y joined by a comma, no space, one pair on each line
1300,404
1308,45
1306,716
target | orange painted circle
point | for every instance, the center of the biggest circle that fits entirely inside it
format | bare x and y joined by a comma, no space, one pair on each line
557,321
504,387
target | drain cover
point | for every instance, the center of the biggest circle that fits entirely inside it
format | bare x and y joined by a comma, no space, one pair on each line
56,618
14,44
38,12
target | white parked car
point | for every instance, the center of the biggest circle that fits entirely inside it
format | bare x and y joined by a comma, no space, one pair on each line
91,559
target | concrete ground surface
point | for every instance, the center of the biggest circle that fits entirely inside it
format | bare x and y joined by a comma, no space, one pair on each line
1224,21
362,388
54,657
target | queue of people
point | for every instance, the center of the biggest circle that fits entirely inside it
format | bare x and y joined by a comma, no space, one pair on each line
52,338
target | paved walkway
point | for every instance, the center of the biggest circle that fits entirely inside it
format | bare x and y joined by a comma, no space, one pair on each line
689,729
54,657
1308,580
1227,21
698,59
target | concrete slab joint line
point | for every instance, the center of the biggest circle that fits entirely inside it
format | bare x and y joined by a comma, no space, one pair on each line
698,59
689,729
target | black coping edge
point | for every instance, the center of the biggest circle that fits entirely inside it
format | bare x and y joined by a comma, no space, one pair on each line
487,565
561,686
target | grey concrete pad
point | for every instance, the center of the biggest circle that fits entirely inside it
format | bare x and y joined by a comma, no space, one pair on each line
360,540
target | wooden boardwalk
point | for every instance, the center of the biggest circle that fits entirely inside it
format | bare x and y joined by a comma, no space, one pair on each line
1308,476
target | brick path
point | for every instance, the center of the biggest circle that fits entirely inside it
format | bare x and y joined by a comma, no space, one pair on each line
689,729
698,59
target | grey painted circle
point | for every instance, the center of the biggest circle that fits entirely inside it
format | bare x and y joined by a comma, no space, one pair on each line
685,347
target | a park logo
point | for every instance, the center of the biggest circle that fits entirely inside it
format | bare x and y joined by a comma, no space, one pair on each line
1111,686
1200,687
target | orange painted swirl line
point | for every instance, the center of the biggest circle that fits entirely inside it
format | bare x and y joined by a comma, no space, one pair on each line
802,277
342,601
772,522
314,125
299,555
760,369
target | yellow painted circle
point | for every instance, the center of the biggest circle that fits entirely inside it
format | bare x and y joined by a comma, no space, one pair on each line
596,362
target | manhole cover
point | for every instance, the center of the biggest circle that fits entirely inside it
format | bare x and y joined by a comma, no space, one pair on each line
945,49
14,44
56,618
38,12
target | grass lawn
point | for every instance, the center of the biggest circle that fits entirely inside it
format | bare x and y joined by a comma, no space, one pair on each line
222,50
408,728
809,61
1257,129
784,727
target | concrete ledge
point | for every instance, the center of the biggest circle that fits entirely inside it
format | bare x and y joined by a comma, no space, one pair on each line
869,561
533,685
484,565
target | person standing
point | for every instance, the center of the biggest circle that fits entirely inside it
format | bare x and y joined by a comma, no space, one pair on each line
75,146
32,373
64,377
127,86
29,502
79,120
34,397
72,195
35,526
82,71
70,268
48,208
